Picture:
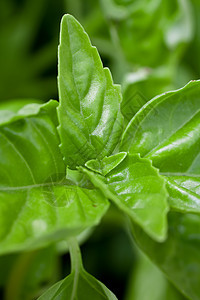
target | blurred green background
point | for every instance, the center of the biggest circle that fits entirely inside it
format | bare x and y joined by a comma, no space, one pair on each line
151,46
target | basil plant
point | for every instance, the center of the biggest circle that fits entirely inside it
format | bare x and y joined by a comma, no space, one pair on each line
63,163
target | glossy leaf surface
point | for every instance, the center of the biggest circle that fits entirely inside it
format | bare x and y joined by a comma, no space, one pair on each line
107,164
138,190
167,131
89,114
37,204
179,256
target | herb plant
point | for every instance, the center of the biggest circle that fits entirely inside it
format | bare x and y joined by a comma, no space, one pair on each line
62,164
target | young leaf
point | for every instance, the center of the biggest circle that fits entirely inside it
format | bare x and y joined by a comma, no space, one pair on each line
179,255
167,131
89,110
137,189
107,164
37,204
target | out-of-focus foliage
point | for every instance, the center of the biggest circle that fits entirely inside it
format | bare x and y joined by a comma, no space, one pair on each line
147,38
178,256
33,270
148,282
29,31
143,27
190,61
28,49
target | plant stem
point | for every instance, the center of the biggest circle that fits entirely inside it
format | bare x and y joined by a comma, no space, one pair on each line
75,255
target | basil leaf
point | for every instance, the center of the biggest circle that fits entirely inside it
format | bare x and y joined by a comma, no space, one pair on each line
179,256
137,189
89,111
167,131
38,204
107,164
29,147
184,193
78,285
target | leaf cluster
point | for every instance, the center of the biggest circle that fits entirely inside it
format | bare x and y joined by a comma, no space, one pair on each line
63,164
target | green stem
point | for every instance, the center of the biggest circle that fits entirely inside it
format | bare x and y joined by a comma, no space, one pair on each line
75,255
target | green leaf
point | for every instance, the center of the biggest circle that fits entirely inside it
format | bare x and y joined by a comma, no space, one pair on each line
79,284
38,204
137,189
29,152
10,114
179,256
167,131
89,110
107,164
184,193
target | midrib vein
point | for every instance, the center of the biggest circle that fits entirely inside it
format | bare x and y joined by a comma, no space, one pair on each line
26,187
